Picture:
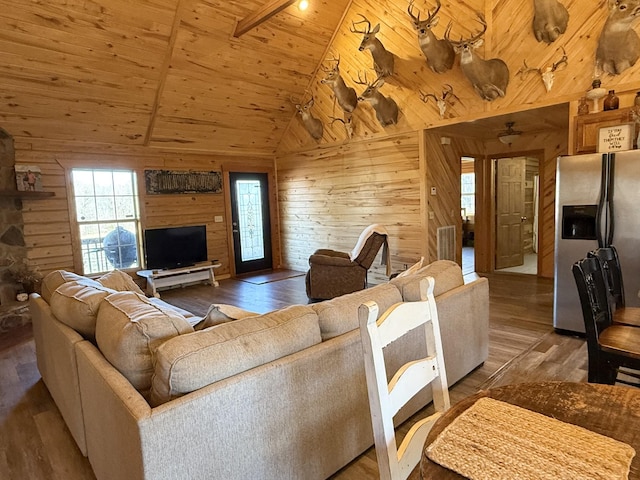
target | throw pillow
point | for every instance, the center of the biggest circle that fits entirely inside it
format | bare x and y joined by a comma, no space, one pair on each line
76,304
51,282
219,313
120,282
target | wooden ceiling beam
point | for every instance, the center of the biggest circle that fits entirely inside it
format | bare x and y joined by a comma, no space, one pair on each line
261,15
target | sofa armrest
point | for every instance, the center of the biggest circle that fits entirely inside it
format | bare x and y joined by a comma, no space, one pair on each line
463,313
112,411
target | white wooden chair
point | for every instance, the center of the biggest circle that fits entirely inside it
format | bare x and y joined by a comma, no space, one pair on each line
385,400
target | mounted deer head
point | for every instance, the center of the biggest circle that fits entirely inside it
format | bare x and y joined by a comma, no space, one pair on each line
346,96
382,59
488,77
313,125
439,53
548,73
619,45
550,20
385,107
443,101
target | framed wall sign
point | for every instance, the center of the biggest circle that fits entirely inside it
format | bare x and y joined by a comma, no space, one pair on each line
616,138
171,181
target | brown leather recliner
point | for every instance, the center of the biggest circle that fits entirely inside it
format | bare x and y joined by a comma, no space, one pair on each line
334,273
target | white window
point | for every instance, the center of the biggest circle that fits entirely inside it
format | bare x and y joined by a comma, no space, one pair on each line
107,216
468,190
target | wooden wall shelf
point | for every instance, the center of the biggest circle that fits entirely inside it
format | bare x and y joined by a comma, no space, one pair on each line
21,194
587,127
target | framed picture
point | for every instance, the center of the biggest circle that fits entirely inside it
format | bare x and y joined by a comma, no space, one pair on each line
28,178
616,138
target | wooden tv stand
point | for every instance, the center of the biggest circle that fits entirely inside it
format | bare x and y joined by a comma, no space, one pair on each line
157,279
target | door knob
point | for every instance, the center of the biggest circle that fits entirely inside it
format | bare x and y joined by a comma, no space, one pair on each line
523,219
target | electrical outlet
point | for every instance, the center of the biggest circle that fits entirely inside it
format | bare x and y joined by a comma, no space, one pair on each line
432,216
217,218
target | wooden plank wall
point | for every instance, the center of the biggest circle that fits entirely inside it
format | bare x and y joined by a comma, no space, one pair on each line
509,36
327,196
443,172
48,230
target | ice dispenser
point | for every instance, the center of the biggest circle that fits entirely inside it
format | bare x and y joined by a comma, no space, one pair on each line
579,222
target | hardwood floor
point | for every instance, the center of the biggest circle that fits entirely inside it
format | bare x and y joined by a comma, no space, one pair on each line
35,443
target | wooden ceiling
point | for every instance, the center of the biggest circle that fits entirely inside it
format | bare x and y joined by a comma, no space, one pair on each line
529,122
160,73
171,73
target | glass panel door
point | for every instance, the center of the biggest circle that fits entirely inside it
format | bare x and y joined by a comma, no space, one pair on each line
250,221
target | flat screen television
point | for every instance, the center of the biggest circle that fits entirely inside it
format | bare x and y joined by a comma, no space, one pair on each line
175,247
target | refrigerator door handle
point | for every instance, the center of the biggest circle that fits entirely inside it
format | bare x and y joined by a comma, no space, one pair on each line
610,200
602,202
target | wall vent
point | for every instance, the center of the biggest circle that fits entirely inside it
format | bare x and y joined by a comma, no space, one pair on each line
447,243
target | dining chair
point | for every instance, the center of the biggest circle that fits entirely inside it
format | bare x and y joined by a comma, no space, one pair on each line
610,346
610,263
386,398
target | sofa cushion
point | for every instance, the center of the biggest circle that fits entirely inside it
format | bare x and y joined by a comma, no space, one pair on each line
446,273
53,280
129,330
76,304
219,313
120,282
340,315
190,362
191,318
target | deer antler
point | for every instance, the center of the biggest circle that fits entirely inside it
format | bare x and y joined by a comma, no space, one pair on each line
473,38
563,61
360,81
416,20
435,12
526,69
364,19
425,96
448,91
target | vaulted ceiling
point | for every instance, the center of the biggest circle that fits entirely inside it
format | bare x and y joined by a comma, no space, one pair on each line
161,73
170,73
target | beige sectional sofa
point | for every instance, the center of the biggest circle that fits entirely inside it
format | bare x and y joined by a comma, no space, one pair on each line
280,395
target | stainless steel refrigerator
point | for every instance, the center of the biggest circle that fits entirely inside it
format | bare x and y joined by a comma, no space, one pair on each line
597,205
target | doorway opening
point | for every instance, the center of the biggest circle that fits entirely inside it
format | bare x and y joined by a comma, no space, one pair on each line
468,212
251,223
516,214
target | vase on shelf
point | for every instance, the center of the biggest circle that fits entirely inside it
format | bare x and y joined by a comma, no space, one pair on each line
596,93
583,106
611,102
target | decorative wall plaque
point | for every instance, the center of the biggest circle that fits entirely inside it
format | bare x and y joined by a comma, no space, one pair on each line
172,181
616,138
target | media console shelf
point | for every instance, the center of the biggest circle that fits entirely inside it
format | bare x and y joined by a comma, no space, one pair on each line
157,279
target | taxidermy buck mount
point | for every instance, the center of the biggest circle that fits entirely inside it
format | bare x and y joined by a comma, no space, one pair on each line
443,101
346,96
382,59
312,124
548,73
619,45
438,52
385,107
488,77
550,20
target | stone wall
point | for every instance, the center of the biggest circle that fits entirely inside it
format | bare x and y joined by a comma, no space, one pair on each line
12,244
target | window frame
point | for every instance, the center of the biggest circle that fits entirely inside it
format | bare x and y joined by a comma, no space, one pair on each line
75,225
